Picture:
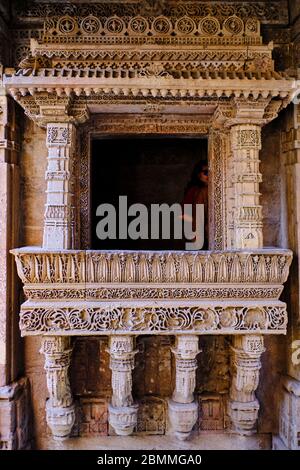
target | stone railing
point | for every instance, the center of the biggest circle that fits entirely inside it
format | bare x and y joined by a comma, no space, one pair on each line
125,294
95,292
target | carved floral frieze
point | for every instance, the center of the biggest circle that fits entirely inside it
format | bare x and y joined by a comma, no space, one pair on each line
222,317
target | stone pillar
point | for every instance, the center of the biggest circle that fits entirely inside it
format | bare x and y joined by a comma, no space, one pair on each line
60,409
289,419
59,235
246,144
220,210
183,409
122,410
59,214
245,366
14,394
9,211
289,416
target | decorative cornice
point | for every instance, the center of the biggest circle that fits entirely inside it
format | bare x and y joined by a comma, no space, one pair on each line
194,57
68,98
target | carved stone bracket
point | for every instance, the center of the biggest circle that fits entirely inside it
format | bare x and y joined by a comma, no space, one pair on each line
122,410
183,410
51,106
60,409
243,405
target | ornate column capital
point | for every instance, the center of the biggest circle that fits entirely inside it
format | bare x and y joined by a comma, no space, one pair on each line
251,110
44,108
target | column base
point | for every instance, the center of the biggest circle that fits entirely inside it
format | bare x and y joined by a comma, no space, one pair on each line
278,444
182,417
244,417
123,419
60,420
15,416
289,417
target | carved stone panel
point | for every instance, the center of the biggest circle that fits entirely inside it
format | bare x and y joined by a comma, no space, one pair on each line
91,418
151,417
153,370
211,412
90,374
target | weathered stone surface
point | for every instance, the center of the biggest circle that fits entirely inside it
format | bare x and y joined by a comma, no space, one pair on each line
33,186
212,409
15,416
161,97
91,418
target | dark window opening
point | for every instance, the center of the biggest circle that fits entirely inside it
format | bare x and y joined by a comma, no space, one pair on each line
147,171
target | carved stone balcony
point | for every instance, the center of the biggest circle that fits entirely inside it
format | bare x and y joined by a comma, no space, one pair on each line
110,293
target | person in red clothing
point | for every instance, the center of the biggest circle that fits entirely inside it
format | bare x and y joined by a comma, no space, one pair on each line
195,193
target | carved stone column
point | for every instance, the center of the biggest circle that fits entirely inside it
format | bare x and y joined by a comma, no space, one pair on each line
122,410
183,410
14,391
245,366
289,416
59,214
246,144
60,408
220,210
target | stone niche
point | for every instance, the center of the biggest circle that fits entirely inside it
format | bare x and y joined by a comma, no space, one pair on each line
148,309
90,374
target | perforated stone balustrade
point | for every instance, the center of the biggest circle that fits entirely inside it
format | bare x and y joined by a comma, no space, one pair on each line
125,294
